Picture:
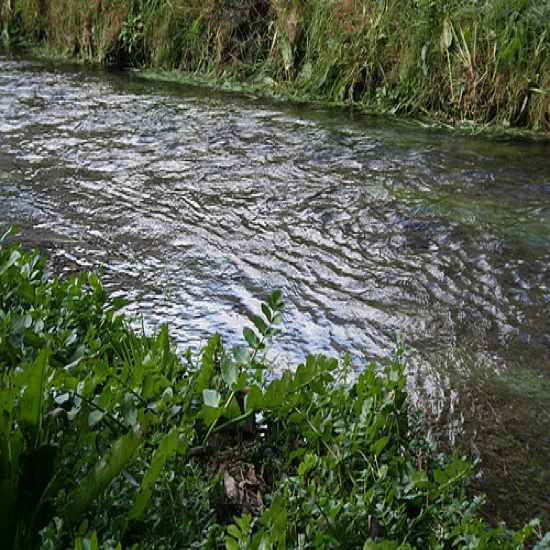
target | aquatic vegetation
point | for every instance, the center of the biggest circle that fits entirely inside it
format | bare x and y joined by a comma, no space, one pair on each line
109,439
462,61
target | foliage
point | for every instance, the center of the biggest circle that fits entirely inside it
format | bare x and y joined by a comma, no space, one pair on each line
109,440
485,61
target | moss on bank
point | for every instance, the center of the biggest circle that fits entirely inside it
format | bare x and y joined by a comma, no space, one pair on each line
485,61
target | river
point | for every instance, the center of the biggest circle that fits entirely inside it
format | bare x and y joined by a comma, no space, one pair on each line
194,204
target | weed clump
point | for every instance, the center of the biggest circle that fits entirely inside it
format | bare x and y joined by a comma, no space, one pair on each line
107,435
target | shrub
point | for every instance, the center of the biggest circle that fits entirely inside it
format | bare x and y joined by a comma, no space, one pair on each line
107,435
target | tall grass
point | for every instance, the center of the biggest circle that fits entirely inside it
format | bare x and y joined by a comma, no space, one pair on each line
486,61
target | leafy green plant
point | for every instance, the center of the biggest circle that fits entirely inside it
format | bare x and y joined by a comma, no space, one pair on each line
62,420
109,439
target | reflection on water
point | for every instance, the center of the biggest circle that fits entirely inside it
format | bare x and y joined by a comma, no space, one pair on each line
196,204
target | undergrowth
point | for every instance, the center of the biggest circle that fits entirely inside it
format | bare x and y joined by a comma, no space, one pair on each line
463,61
108,439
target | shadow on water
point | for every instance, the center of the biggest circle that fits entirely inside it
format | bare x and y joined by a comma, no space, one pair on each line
195,204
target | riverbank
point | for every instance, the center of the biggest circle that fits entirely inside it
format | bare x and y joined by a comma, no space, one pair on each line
461,64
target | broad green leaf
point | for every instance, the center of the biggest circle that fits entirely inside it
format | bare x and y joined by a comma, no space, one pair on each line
310,461
379,445
241,354
266,310
260,324
275,301
251,338
211,398
165,450
91,543
101,475
32,379
163,341
208,363
440,476
233,410
12,260
242,381
277,319
278,516
254,399
93,279
233,530
229,371
275,394
304,374
210,414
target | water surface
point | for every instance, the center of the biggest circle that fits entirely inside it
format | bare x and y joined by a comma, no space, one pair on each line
196,204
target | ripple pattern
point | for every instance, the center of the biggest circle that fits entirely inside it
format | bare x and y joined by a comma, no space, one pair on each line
196,204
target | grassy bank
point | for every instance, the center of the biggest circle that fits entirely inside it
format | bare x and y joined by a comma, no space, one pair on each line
485,61
108,439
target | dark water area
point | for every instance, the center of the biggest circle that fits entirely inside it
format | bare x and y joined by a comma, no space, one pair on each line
195,204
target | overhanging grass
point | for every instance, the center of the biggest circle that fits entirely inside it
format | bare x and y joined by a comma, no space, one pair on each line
464,62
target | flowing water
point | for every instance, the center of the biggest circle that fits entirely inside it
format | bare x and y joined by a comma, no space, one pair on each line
195,204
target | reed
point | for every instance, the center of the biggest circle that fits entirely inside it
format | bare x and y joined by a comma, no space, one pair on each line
484,61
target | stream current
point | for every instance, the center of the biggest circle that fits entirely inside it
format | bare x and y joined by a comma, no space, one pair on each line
195,204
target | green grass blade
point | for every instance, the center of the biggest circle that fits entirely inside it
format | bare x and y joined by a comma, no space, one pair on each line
97,480
165,450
